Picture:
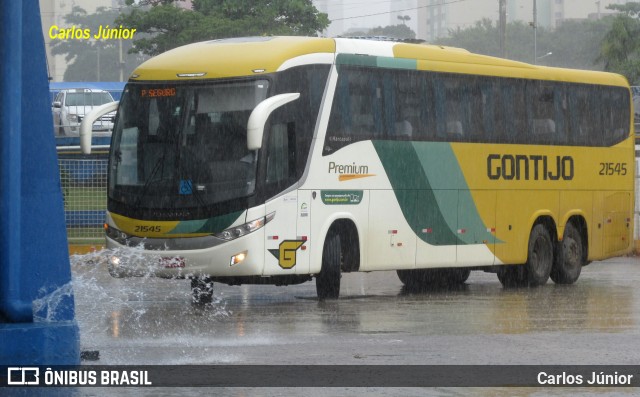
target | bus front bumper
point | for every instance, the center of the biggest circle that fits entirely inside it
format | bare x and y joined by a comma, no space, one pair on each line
240,257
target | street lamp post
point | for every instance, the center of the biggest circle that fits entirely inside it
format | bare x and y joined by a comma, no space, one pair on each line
535,32
545,55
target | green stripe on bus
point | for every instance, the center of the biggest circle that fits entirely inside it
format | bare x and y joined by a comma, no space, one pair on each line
432,192
356,60
212,225
417,200
441,167
397,63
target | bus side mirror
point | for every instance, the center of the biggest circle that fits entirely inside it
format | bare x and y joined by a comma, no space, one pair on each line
57,104
260,114
86,126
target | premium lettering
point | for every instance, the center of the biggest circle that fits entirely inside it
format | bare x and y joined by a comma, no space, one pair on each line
348,168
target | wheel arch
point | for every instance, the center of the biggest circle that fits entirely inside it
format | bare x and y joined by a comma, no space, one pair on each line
347,227
548,221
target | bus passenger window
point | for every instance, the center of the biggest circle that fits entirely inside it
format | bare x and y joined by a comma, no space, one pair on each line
357,110
543,126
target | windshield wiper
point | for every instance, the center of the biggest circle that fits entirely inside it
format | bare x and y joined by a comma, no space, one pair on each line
159,165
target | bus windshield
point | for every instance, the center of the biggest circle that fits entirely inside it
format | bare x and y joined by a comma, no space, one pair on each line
184,145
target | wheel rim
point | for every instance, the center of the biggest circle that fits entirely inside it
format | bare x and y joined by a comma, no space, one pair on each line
571,253
541,256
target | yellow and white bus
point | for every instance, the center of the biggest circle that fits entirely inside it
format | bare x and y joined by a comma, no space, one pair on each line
279,159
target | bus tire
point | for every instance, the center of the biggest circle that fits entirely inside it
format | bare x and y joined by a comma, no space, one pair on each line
539,256
512,276
414,279
446,277
420,279
537,269
570,258
201,290
328,281
457,276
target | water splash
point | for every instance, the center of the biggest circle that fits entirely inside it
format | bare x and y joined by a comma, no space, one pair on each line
115,313
54,305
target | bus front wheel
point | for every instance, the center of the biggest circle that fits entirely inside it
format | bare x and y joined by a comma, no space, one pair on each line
201,290
328,281
570,259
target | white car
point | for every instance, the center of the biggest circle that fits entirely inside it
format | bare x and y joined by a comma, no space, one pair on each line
70,106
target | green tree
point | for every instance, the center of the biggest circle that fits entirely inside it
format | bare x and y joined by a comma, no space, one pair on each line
620,48
167,26
401,32
91,60
574,44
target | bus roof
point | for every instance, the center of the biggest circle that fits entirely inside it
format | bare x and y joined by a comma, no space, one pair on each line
250,56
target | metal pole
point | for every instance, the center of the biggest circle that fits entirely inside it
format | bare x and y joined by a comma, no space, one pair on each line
121,65
98,61
535,33
502,10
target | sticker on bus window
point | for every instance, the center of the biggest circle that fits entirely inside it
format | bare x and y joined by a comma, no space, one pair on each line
186,187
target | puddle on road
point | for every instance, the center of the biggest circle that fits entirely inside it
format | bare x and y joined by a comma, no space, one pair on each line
152,321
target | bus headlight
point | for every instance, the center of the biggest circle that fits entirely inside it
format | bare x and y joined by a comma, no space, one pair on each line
237,258
115,234
242,230
114,261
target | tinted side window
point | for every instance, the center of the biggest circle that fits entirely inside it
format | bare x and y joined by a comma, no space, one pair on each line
372,103
357,110
291,127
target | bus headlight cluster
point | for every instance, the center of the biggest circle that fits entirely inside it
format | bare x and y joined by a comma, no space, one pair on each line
242,230
115,234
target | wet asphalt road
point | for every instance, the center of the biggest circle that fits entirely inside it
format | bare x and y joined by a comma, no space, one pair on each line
151,321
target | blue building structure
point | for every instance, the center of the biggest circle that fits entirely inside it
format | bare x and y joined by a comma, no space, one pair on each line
34,261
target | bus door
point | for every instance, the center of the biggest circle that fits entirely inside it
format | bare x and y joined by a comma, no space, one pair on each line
286,247
303,224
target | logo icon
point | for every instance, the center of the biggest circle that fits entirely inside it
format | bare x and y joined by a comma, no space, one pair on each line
23,376
186,187
287,252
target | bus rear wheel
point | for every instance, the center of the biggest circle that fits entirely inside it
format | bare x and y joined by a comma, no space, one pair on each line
328,281
201,290
539,262
570,259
